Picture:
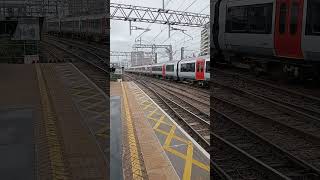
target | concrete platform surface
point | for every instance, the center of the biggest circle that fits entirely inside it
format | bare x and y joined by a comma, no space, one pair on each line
168,152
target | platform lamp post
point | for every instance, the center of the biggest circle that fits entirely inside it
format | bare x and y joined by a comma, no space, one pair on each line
122,73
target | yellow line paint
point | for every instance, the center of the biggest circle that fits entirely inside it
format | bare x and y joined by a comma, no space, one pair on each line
102,132
175,137
147,106
189,161
135,163
152,113
188,165
159,122
58,169
169,137
183,156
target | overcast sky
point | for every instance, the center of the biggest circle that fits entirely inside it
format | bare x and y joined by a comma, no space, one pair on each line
122,41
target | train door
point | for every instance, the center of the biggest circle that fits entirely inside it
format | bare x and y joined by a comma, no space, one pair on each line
164,71
200,69
288,28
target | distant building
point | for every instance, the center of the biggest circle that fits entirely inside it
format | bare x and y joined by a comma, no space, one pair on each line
205,40
85,7
119,64
22,8
140,58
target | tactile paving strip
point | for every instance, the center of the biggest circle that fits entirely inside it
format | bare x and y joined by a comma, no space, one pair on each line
57,163
189,161
91,102
133,162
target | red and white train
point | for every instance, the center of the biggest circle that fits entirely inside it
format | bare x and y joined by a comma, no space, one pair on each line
89,27
274,35
196,70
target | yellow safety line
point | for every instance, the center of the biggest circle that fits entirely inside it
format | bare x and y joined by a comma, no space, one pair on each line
183,156
159,122
156,120
188,165
152,113
147,106
135,163
102,132
174,136
58,169
169,137
189,161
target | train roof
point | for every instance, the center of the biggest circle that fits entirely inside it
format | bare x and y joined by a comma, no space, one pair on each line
207,57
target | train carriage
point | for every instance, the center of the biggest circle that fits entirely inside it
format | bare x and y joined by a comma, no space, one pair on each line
90,27
171,70
196,70
272,34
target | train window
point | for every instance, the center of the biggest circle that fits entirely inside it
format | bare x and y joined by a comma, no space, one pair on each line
183,68
208,67
187,67
157,68
282,18
313,16
294,17
250,19
237,19
191,67
260,18
169,68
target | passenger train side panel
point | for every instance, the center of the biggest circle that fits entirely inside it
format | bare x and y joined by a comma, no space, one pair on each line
222,20
248,27
311,30
288,29
200,69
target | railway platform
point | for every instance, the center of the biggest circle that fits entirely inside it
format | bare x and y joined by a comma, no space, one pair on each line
154,146
52,123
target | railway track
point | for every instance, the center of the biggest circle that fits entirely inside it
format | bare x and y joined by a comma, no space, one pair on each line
97,70
268,109
93,48
303,104
199,104
299,143
262,150
182,88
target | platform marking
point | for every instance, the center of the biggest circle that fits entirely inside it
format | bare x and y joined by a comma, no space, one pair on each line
55,150
86,96
135,163
102,132
188,157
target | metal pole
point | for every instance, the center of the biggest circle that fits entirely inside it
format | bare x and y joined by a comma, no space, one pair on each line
170,53
182,52
130,27
163,4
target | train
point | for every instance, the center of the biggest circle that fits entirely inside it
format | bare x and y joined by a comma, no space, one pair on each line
276,36
89,27
195,70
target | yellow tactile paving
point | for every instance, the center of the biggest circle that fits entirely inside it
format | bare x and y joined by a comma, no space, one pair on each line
156,162
135,163
58,169
155,114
